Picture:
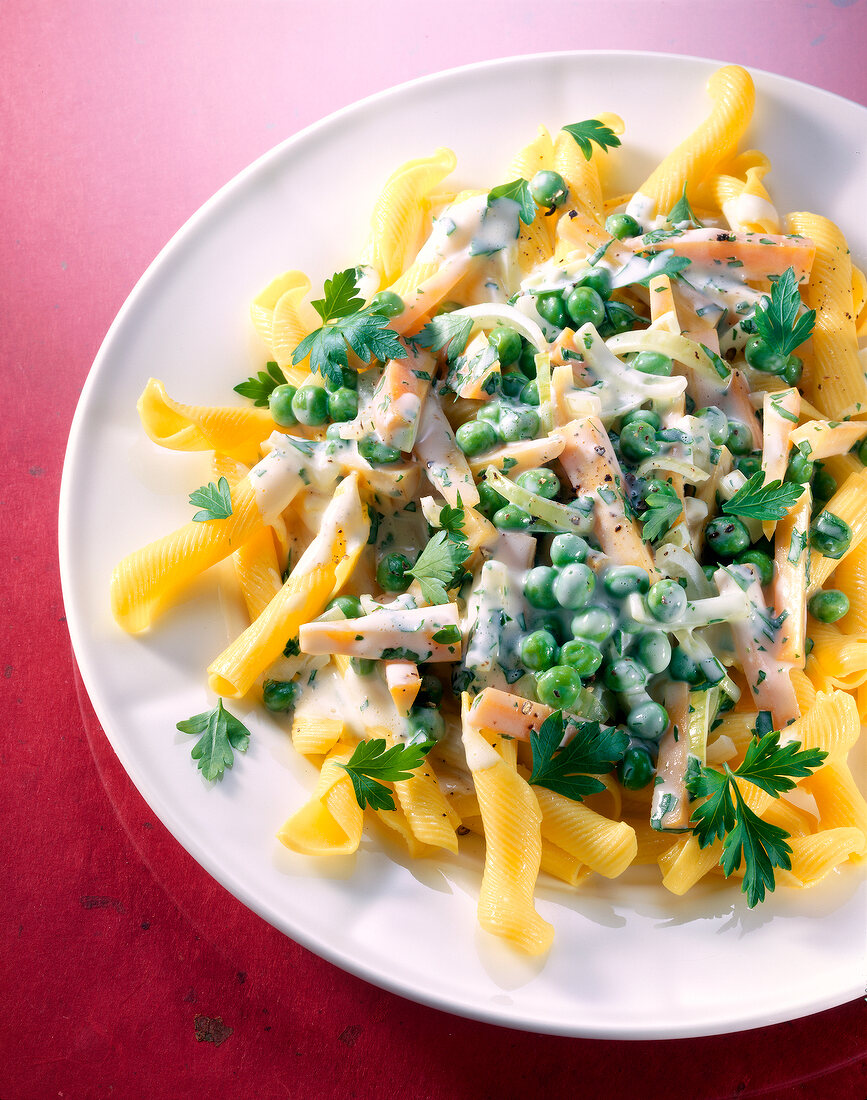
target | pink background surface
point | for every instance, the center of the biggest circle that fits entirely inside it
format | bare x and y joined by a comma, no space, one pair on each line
118,120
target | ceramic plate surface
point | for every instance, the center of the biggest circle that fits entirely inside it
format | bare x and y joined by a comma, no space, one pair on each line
629,960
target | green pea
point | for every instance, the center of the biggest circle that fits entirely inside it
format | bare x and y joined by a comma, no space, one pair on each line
830,535
476,436
582,656
492,410
552,308
593,624
447,307
280,695
374,451
824,485
800,469
280,406
362,666
512,383
585,305
343,404
740,440
748,464
567,548
666,600
598,279
638,441
683,668
558,687
761,357
349,605
518,424
507,344
549,188
619,317
726,536
541,481
387,303
625,675
332,433
621,581
653,362
391,573
648,720
793,370
527,361
763,563
574,585
348,380
829,605
539,587
622,226
716,422
538,650
653,649
636,769
512,518
425,724
490,501
642,416
530,393
430,690
553,623
310,405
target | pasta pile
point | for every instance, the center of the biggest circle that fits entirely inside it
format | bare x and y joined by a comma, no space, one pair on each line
550,518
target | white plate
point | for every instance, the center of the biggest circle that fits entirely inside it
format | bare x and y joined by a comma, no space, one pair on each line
629,961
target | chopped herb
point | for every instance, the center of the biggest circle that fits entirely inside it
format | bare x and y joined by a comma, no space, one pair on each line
756,500
259,387
682,212
663,509
589,131
445,333
438,566
519,191
593,750
777,320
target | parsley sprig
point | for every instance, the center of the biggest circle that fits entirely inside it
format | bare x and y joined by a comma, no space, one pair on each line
347,322
725,815
373,764
594,750
445,333
220,735
592,130
519,191
776,318
214,501
757,500
259,387
663,508
440,565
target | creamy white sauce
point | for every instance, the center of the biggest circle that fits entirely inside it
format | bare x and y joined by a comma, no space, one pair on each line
454,230
480,755
746,210
276,479
641,207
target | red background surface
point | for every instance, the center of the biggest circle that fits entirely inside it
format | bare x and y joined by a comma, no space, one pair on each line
118,119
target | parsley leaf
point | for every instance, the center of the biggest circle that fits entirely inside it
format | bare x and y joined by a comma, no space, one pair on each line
372,764
725,815
438,566
341,296
259,387
777,320
682,212
452,520
519,191
445,332
219,733
663,508
215,501
364,331
755,500
594,750
589,131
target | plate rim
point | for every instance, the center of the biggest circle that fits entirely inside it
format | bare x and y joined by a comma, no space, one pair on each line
491,1013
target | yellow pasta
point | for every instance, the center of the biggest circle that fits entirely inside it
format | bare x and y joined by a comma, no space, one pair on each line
849,504
330,823
315,736
814,857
